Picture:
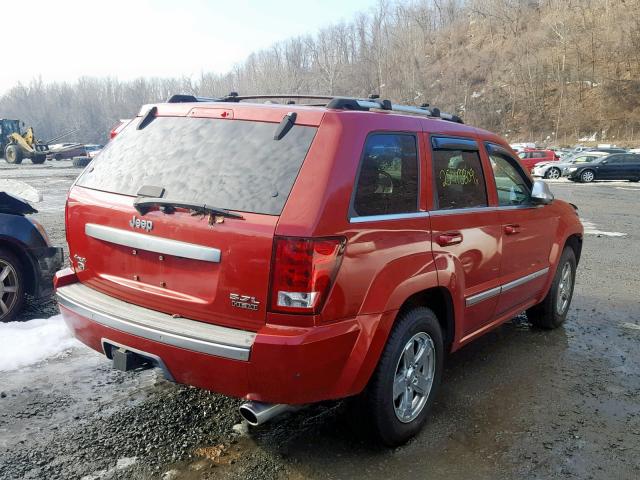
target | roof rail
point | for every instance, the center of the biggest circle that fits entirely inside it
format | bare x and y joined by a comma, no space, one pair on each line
334,102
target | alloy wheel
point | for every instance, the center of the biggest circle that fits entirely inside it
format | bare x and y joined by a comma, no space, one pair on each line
587,176
553,174
414,377
565,288
8,288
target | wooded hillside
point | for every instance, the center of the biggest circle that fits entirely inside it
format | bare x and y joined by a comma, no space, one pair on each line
527,69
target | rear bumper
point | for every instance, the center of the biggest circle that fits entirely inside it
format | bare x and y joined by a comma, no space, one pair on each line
276,364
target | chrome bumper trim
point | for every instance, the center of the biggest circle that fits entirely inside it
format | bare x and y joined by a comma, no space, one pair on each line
152,244
156,326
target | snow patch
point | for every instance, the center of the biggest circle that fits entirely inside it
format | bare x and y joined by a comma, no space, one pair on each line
122,464
592,229
26,343
20,189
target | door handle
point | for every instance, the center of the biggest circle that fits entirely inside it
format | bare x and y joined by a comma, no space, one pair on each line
512,229
449,238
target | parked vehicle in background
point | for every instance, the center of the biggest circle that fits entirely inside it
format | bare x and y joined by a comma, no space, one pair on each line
64,151
607,150
289,254
520,147
28,262
560,168
529,158
617,166
634,150
93,150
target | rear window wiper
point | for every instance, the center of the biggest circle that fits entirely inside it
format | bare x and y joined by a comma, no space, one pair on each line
144,204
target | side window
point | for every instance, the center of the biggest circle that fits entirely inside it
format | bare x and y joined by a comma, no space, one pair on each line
513,187
388,178
459,180
615,159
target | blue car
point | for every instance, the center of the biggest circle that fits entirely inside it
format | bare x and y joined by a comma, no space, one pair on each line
27,259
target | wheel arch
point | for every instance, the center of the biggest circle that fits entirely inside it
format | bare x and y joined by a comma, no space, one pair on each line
439,300
27,261
575,242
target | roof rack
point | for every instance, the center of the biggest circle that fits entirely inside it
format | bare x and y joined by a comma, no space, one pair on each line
335,102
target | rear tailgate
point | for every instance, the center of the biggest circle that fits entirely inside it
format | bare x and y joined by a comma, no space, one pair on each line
209,268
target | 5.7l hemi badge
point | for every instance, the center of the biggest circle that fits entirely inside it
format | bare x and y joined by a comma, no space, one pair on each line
244,301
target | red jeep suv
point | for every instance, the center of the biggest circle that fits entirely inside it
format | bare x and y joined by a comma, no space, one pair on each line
289,253
531,157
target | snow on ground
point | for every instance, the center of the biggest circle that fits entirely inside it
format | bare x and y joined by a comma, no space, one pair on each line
26,343
591,228
20,189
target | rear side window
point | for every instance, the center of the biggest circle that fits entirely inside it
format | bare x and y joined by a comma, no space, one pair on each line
388,178
230,164
459,180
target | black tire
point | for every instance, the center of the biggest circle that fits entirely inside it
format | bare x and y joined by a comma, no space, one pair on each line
587,176
553,173
376,408
548,314
13,154
81,161
10,302
38,158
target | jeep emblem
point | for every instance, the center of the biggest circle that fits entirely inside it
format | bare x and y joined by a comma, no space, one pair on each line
146,225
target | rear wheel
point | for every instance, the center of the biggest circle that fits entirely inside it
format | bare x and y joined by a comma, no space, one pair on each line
552,311
13,154
38,158
587,176
11,286
81,161
399,395
553,173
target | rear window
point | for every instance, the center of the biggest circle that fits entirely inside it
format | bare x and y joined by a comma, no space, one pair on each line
230,164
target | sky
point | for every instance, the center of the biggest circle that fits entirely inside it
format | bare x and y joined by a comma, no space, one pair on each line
63,40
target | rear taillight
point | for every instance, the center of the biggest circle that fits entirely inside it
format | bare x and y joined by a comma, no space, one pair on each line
302,273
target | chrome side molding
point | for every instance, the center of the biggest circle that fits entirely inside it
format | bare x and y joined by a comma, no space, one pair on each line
492,292
151,243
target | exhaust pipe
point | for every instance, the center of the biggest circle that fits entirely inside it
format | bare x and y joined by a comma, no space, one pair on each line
257,413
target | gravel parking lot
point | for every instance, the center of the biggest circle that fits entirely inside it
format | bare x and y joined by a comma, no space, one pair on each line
518,403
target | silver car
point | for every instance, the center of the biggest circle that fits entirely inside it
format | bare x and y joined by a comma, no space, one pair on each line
560,168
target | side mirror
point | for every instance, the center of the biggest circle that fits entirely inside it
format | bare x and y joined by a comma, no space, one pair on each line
541,193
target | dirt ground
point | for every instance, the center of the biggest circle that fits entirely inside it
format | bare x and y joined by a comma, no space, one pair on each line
517,403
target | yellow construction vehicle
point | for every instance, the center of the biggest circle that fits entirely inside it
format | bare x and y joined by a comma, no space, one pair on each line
18,146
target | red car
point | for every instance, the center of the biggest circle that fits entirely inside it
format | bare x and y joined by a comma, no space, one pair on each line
530,157
288,254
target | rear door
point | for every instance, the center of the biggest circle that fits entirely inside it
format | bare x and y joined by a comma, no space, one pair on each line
526,238
200,266
613,169
466,232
